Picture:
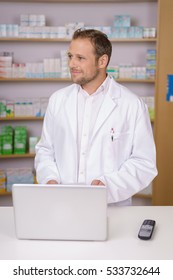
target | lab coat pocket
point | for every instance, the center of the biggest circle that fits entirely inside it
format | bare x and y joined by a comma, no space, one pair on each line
117,148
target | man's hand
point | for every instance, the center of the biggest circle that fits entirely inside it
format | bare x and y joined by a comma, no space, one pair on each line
52,182
97,183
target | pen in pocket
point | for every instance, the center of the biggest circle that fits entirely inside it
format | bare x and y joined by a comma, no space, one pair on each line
112,134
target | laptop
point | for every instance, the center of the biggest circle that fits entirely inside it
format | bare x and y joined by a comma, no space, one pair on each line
60,212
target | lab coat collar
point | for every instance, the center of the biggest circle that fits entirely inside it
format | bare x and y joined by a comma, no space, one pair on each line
71,109
109,104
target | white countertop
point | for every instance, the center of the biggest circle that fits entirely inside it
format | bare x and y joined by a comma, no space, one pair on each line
122,243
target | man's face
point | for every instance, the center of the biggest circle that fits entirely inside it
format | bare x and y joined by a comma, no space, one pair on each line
82,62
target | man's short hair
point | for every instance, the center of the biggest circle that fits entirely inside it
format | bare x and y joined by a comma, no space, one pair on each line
98,39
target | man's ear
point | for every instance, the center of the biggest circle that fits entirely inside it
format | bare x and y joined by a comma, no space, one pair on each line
103,61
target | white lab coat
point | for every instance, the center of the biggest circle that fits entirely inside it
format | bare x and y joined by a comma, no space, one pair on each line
125,165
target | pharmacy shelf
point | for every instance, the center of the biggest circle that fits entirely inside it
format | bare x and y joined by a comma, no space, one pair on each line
69,80
80,1
131,40
30,119
135,80
27,155
23,118
35,80
143,195
4,192
16,39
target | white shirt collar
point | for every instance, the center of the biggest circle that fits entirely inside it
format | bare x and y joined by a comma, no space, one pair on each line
101,89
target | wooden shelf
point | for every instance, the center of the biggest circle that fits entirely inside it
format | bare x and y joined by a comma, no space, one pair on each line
131,40
4,192
35,80
143,195
120,40
69,80
135,80
27,155
17,39
29,119
80,1
21,119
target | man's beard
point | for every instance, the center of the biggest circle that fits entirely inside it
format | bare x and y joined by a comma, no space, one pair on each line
85,80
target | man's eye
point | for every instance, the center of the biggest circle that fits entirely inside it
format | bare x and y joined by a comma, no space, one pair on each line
80,57
69,56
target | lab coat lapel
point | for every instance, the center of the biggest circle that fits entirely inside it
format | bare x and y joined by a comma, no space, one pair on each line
109,104
71,112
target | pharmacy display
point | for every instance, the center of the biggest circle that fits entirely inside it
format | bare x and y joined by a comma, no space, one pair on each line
34,26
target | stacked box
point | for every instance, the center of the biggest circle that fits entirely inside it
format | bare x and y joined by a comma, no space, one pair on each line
32,20
20,140
19,176
151,64
138,32
113,71
7,129
2,180
122,20
43,104
10,109
36,107
149,101
6,140
0,144
23,107
169,96
65,73
32,143
5,65
9,30
107,30
149,32
7,144
2,108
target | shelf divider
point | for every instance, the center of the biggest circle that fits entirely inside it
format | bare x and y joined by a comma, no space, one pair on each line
27,155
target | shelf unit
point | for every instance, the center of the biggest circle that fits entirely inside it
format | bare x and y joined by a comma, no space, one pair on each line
59,40
69,80
4,192
64,41
35,80
50,40
163,184
23,118
79,1
27,155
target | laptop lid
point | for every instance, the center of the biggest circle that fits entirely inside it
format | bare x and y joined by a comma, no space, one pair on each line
60,212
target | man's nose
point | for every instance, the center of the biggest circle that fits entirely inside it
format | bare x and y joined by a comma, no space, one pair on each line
72,63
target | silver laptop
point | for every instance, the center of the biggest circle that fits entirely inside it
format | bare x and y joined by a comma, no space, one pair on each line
60,212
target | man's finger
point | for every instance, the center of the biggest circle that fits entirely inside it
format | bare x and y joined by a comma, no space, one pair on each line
95,182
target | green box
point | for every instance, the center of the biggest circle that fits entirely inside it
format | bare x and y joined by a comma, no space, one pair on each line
20,139
7,144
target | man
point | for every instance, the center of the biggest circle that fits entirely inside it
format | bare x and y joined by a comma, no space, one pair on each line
96,131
